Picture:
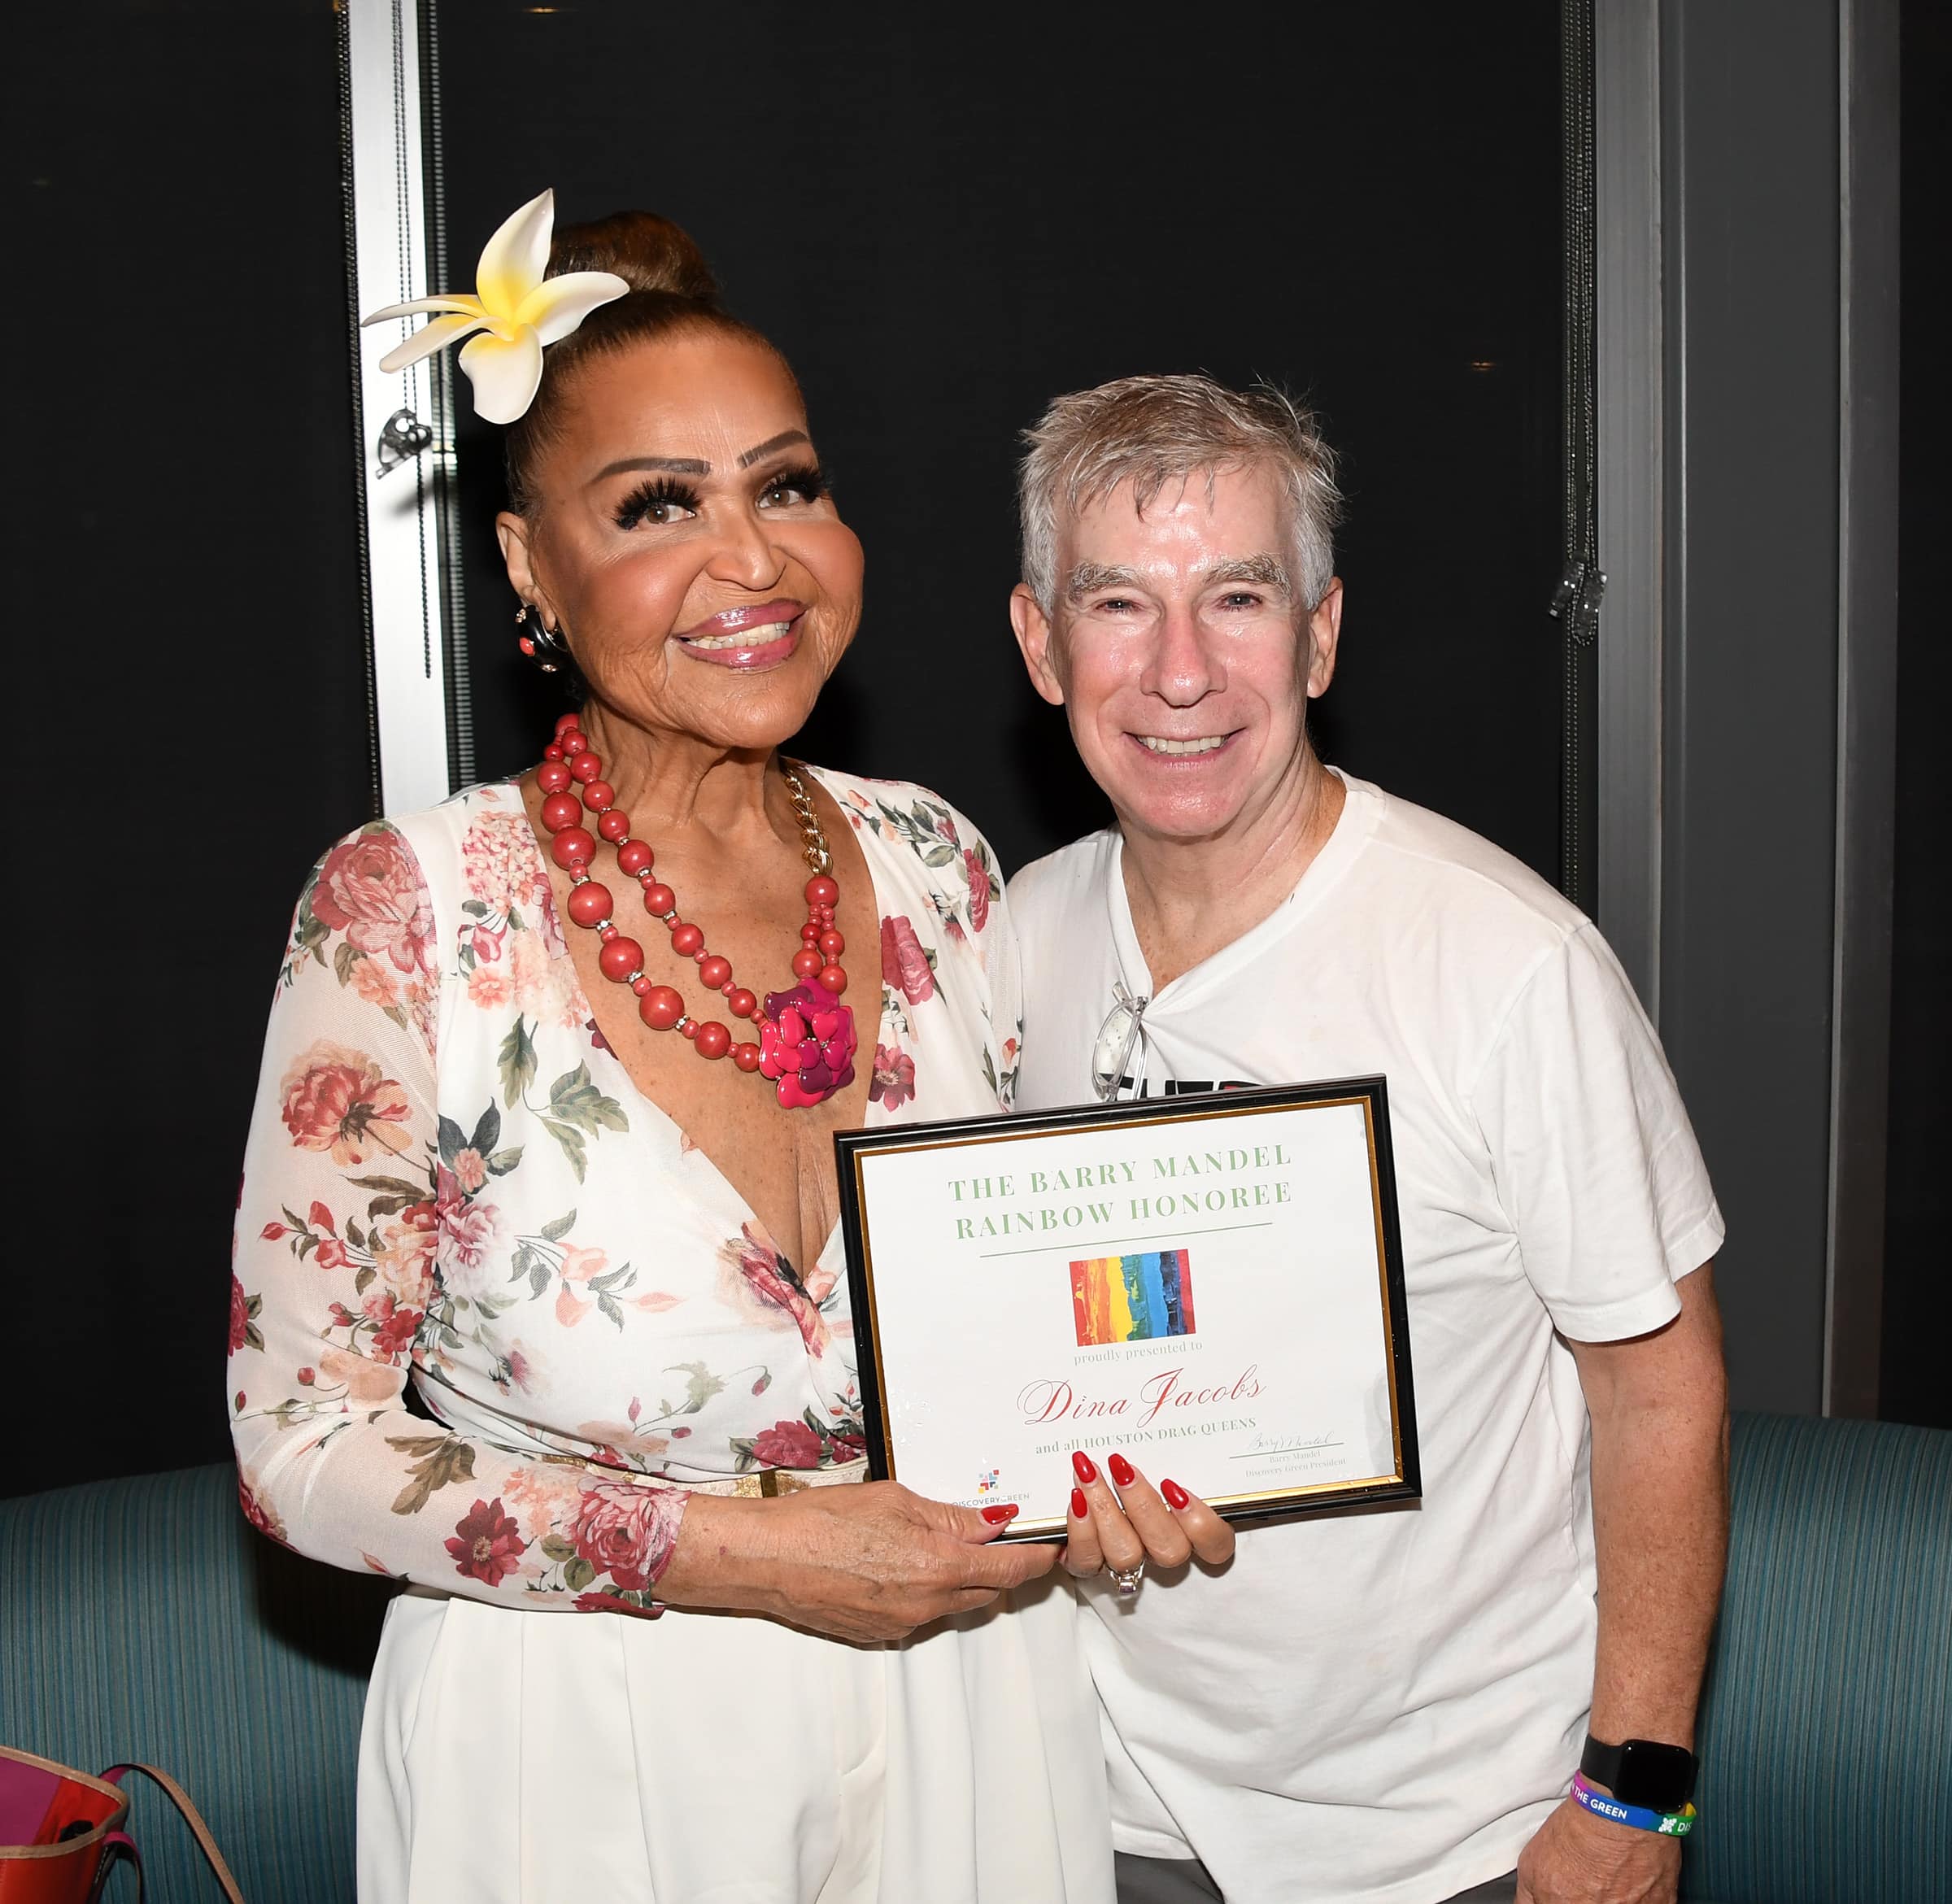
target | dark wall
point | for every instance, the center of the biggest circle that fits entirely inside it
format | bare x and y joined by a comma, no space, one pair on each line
944,227
942,233
188,678
1916,1385
942,237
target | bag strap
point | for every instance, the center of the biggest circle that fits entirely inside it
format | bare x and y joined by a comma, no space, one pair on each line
206,1844
117,1847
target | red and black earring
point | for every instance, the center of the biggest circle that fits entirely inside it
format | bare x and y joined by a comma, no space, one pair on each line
539,642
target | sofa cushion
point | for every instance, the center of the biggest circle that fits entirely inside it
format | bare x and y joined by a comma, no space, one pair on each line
1826,1727
143,1619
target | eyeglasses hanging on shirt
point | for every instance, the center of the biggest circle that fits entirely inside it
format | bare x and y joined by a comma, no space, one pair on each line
1122,1034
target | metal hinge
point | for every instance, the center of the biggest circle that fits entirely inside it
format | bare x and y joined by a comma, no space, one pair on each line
403,437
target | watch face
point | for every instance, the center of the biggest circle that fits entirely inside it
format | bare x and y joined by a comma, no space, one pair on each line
1660,1776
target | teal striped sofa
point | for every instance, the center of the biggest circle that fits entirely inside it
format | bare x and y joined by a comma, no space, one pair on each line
142,1618
1826,1724
145,1619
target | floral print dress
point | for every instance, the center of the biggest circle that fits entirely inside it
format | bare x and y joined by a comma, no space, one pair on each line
489,1302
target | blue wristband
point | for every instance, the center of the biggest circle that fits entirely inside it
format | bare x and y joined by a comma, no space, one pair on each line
1642,1818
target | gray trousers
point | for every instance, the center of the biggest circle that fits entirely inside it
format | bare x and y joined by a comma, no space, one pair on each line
1186,1880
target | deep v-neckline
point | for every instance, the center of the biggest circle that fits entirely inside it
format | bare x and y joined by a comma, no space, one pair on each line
688,1146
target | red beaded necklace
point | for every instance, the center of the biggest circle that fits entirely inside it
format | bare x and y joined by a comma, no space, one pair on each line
807,1037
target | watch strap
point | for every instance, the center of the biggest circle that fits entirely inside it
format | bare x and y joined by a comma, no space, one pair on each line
1641,1772
1601,1763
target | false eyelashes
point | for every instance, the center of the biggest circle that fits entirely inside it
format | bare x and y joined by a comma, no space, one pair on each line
807,483
656,493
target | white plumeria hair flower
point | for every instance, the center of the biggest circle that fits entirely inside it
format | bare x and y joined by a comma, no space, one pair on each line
518,308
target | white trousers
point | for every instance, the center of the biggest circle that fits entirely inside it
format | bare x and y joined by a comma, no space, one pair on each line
513,1758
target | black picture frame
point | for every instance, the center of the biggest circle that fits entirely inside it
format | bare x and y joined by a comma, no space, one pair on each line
852,1147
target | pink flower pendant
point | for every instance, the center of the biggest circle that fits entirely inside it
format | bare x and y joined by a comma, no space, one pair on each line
806,1045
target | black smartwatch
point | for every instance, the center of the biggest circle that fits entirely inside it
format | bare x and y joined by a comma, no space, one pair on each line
1641,1772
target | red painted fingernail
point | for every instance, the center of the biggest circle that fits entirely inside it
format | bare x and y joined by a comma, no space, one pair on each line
1081,1467
1004,1510
1123,1471
1175,1495
1080,1508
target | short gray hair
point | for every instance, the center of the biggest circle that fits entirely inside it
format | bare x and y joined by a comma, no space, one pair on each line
1151,430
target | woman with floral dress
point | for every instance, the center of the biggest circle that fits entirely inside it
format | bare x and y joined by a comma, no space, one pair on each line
538,1302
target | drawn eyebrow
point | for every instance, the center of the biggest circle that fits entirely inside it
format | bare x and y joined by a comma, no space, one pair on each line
672,465
771,444
697,465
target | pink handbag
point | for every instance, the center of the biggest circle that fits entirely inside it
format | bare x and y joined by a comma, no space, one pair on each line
61,1831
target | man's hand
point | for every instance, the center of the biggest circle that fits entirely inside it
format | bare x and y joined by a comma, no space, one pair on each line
1577,1858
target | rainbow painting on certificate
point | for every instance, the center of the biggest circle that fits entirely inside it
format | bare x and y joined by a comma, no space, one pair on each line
1139,1298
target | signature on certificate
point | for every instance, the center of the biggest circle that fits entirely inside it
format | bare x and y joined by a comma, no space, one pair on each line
1280,1443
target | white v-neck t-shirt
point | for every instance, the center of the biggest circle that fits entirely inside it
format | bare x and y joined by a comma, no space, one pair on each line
1380,1707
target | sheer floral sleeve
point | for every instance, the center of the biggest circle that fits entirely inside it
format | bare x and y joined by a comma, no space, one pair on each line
351,1204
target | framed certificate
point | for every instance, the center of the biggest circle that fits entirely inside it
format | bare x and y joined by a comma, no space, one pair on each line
1211,1285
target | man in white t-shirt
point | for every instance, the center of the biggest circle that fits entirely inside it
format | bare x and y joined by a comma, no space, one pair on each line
1386,1705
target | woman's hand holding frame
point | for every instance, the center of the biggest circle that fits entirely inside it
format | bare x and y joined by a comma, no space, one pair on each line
1134,1523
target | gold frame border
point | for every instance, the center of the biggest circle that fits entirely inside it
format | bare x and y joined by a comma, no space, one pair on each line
1211,1114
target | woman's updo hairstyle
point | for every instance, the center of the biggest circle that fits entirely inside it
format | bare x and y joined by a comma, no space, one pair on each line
672,291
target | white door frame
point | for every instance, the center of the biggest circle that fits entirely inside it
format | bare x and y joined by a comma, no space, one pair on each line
424,749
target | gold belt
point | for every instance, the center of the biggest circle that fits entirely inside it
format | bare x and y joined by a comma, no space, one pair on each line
768,1483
